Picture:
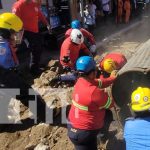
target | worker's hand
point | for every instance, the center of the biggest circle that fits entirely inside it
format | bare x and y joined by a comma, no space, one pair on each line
66,69
49,29
66,59
54,81
114,73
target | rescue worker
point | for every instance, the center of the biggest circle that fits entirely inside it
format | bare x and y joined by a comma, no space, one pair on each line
87,113
120,10
127,8
10,75
29,12
72,48
112,61
136,131
89,38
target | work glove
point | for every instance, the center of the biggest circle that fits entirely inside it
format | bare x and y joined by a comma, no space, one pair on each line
66,59
66,69
93,48
114,73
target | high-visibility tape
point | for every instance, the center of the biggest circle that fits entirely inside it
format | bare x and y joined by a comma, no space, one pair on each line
107,105
85,108
80,106
99,83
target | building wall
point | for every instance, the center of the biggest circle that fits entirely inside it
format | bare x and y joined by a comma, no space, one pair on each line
6,5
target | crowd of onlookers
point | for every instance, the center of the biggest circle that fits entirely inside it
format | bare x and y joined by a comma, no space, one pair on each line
121,10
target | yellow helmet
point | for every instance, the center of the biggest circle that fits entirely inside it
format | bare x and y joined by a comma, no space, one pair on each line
109,65
10,21
140,99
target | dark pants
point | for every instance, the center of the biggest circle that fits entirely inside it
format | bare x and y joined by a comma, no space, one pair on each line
106,14
87,139
83,139
11,79
35,46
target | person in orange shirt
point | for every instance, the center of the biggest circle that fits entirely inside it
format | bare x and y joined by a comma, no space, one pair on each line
119,14
127,8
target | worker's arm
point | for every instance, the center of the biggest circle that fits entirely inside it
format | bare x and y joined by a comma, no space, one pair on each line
42,18
65,54
103,82
85,49
102,99
88,35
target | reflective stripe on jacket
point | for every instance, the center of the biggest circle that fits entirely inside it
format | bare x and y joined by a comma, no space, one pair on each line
85,108
88,106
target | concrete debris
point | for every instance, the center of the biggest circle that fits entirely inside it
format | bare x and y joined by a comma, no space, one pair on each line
42,147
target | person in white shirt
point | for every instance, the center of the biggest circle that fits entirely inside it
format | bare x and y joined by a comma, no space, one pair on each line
88,19
92,9
106,8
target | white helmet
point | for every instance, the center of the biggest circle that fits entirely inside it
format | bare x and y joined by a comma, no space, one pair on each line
76,36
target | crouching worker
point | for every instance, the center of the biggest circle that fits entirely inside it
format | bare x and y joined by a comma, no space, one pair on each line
10,77
72,48
89,104
89,38
111,62
136,131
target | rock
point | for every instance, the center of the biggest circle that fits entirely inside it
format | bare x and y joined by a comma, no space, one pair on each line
42,147
47,77
30,147
53,69
41,131
53,63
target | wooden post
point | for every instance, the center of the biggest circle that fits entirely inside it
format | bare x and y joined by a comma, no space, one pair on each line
73,9
82,11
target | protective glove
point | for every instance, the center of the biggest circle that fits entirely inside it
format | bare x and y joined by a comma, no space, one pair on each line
66,59
93,48
114,73
66,69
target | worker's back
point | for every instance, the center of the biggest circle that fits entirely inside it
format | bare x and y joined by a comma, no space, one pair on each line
137,134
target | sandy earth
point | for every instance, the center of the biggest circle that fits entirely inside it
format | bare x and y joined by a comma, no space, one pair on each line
54,137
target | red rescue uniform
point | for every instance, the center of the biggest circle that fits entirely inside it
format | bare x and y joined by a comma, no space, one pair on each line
71,50
30,14
104,82
118,58
85,33
88,105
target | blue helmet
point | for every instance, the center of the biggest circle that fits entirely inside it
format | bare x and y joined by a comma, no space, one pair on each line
85,64
75,24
